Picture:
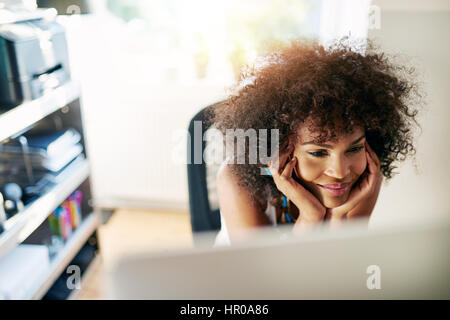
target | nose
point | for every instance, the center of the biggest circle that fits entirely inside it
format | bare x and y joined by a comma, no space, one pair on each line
337,167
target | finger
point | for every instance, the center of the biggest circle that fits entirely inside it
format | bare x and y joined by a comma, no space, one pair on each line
373,155
290,188
374,165
287,172
279,162
364,177
373,168
282,180
282,184
374,172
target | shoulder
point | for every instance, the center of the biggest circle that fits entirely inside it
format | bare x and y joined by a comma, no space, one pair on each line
230,186
225,176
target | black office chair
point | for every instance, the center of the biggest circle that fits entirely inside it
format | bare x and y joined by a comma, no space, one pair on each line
203,216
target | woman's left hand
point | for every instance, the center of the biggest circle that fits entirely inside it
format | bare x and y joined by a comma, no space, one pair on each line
363,196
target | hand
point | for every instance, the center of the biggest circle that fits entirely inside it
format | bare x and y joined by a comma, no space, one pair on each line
364,195
310,208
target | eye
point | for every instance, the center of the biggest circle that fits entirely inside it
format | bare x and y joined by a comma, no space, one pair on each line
318,154
356,149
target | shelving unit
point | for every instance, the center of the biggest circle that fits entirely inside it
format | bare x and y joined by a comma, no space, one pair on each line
21,225
31,225
63,258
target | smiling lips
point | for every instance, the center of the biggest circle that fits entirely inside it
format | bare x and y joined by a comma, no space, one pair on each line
335,189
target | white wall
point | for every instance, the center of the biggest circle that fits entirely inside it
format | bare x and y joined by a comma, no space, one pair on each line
419,31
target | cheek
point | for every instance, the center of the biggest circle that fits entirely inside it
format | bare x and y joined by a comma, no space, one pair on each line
309,170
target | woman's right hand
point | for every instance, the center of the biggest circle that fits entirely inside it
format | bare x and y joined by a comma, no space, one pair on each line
310,208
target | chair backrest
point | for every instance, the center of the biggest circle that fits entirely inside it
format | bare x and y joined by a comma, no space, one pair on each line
204,215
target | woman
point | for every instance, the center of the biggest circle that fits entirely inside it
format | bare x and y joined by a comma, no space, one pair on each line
343,118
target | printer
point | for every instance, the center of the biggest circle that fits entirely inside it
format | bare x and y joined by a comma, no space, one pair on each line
33,58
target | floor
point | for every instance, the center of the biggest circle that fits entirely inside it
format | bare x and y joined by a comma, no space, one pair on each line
130,230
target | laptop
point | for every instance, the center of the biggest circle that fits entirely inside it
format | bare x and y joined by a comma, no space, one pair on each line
354,262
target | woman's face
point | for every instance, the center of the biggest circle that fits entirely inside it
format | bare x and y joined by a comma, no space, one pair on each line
330,170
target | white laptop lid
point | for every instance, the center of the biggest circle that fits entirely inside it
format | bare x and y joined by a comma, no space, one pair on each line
396,262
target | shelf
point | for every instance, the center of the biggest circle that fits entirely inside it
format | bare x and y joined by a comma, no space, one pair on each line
23,116
10,17
21,225
63,258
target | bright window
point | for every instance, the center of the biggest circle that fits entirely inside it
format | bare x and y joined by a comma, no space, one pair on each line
208,40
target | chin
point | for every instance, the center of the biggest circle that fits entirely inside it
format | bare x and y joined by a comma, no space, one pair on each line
333,202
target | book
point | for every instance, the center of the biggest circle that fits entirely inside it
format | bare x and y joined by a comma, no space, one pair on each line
11,162
54,143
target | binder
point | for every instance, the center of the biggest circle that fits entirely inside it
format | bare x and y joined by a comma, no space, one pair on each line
54,143
47,152
39,161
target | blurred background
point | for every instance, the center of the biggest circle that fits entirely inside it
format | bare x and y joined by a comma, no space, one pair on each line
145,68
148,66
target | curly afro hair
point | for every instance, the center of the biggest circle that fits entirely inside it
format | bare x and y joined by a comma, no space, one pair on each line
335,88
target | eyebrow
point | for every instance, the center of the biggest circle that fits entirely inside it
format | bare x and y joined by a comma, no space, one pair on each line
331,147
